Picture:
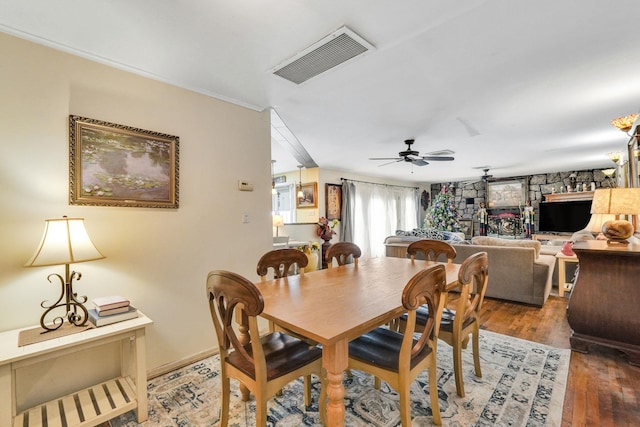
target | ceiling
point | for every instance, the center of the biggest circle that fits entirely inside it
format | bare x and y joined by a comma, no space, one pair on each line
516,86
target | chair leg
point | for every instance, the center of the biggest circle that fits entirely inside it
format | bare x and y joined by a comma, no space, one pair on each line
224,407
457,366
376,383
476,352
307,390
261,413
433,393
405,403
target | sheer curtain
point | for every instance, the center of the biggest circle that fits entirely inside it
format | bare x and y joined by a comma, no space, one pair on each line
372,212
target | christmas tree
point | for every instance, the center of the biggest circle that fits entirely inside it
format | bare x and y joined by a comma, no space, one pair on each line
442,214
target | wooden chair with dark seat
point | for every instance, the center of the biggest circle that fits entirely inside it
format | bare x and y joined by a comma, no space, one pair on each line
281,261
267,363
432,250
458,324
399,358
343,252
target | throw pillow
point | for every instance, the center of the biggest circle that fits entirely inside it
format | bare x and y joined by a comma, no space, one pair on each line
495,241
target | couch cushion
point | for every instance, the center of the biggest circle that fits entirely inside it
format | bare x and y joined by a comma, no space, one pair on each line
515,243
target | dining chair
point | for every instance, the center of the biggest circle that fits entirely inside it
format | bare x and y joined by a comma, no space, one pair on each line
398,358
343,252
456,325
281,261
266,363
432,250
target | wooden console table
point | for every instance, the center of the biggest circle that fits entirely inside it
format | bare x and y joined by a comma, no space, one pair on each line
603,307
88,406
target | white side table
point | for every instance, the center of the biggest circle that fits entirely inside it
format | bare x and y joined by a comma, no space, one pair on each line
563,285
89,406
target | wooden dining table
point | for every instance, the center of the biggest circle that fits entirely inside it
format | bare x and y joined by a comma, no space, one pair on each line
336,305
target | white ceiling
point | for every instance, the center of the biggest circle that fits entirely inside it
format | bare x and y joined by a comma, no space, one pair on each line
519,86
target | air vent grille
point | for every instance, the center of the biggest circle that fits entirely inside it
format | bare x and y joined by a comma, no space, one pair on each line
335,49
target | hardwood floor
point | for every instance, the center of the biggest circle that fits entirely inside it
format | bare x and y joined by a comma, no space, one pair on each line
602,388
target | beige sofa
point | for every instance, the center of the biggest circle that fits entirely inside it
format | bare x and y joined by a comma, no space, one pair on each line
517,270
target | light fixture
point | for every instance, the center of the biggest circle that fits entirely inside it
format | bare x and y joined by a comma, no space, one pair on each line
300,193
278,221
65,241
625,123
615,156
273,180
617,202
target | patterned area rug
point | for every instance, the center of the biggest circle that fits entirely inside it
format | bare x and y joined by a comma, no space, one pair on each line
523,384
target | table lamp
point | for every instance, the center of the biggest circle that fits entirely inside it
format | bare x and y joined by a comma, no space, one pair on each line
278,221
617,202
65,241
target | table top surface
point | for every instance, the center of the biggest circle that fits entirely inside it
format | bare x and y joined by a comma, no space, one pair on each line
343,302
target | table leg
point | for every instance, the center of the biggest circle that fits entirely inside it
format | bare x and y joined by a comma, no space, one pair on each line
335,360
561,277
7,396
244,337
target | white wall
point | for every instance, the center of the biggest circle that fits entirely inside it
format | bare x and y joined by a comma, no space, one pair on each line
158,258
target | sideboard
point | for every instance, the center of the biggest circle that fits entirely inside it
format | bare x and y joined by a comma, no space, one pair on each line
603,308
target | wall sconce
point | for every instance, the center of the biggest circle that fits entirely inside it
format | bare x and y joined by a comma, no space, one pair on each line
572,180
625,123
65,241
273,180
614,156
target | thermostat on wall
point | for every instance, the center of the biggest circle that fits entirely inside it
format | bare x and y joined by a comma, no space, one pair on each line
244,185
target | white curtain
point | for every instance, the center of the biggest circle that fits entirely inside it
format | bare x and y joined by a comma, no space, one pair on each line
378,211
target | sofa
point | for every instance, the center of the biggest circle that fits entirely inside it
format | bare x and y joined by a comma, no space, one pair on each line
518,271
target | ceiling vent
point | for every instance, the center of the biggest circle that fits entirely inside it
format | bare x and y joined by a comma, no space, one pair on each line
333,50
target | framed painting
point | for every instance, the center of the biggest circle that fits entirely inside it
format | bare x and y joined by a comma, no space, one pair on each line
333,201
506,193
310,196
116,165
466,227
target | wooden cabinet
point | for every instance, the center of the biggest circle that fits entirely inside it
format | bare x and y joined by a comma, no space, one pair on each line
603,308
84,406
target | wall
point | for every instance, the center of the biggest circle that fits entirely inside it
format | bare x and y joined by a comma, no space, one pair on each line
158,258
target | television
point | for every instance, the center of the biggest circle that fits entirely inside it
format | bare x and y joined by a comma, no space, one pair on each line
564,217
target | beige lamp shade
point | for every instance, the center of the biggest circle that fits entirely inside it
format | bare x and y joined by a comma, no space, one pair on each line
65,241
278,221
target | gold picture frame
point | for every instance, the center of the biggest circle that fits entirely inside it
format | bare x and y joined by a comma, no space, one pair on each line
117,165
310,199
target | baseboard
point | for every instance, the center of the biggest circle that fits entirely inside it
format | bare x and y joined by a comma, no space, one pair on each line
172,366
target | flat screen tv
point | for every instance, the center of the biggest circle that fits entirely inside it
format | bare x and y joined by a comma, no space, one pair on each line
564,217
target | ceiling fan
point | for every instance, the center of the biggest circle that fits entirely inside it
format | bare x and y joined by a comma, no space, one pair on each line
414,157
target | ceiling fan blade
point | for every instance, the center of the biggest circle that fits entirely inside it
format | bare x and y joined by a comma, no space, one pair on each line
388,163
445,152
438,158
385,158
419,162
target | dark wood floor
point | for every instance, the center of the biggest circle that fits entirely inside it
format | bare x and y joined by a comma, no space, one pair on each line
602,388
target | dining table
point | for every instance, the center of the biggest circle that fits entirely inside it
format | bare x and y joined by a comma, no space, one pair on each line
336,305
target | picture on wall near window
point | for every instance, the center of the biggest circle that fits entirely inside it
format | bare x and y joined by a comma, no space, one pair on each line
116,165
334,201
310,198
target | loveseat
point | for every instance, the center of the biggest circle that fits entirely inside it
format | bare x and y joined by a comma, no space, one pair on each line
518,271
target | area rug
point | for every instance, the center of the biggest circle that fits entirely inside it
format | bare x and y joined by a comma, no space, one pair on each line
523,384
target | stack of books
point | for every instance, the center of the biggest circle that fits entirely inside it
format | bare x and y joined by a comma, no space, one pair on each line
110,310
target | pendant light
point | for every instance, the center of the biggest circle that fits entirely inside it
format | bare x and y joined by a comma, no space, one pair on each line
273,180
300,193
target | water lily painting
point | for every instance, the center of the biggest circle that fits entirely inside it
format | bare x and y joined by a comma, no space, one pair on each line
116,165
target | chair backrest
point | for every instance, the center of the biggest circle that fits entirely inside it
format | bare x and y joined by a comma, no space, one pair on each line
281,261
342,252
426,287
231,295
432,249
472,278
